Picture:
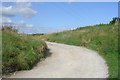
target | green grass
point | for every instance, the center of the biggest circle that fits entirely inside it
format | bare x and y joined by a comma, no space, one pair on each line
20,52
101,38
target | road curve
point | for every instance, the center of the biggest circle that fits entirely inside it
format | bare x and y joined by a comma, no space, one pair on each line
67,61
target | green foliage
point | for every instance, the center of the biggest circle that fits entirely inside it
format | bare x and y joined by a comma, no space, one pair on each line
20,52
9,28
102,38
115,20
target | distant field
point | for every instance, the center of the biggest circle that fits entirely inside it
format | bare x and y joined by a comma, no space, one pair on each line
20,52
102,38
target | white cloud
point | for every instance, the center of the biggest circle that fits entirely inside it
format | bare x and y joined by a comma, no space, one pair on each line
21,8
23,24
71,1
23,4
27,12
23,1
6,20
8,11
24,9
23,27
29,25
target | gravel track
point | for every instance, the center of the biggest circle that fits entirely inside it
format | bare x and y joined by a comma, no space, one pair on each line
67,61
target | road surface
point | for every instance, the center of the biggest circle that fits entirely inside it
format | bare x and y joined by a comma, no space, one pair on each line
67,61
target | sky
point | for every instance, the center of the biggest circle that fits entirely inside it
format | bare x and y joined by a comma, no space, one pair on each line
48,17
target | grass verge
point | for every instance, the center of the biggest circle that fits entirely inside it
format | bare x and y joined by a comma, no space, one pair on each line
20,52
102,38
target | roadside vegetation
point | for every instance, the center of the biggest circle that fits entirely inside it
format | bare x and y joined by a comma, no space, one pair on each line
102,38
20,51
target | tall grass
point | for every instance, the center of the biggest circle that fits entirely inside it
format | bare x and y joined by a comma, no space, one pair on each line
20,52
102,38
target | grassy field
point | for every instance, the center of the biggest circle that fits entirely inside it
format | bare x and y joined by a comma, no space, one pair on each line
102,38
20,52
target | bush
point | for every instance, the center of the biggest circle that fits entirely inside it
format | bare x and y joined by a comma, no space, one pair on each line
115,20
20,52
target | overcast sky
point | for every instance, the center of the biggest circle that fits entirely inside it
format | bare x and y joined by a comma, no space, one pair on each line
45,17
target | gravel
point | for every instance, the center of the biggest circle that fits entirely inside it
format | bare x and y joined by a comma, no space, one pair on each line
67,61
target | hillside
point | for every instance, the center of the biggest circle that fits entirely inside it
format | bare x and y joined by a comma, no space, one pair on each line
20,51
102,38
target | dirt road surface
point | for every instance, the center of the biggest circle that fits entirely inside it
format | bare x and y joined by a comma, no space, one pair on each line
67,61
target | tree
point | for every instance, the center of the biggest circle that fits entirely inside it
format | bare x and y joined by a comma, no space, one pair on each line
115,21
